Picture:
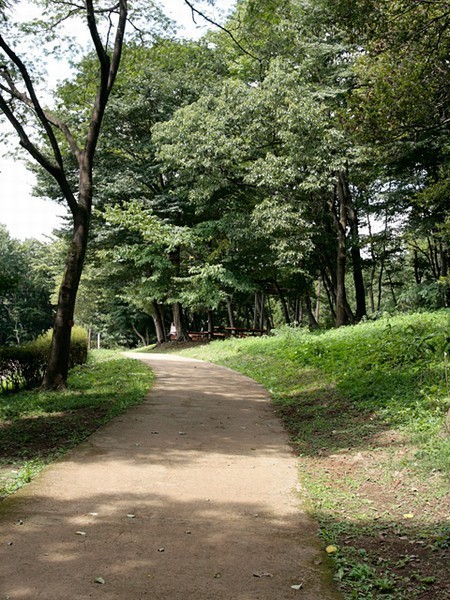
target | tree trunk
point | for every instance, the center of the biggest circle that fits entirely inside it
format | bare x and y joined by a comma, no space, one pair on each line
178,321
140,336
284,305
311,319
361,310
230,312
58,362
262,314
328,285
339,212
210,324
158,321
319,290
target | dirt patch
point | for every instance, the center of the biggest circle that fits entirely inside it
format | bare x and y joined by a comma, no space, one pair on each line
386,518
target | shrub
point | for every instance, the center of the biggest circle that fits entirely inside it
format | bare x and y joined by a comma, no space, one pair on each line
23,367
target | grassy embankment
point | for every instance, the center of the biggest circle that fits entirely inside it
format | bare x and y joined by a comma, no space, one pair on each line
366,410
38,427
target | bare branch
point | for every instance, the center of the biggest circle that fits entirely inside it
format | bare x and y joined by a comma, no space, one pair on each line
36,104
224,29
52,119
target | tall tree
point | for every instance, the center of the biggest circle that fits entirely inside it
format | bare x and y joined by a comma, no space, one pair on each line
25,111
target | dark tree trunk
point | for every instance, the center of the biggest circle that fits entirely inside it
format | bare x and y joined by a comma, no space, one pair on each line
230,312
311,319
284,304
328,285
360,293
58,362
54,128
158,321
417,276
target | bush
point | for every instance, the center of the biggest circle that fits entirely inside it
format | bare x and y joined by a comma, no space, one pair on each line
23,367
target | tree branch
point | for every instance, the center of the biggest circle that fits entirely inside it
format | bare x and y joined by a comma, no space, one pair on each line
224,29
52,119
55,170
35,102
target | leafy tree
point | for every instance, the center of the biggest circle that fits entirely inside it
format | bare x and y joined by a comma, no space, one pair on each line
20,104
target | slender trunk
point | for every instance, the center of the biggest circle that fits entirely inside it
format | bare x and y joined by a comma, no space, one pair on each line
391,285
319,290
355,250
431,259
262,311
58,362
380,283
158,321
417,277
269,319
339,212
140,336
328,285
230,312
210,324
311,319
284,304
299,315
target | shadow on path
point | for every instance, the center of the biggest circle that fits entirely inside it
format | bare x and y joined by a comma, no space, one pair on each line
191,495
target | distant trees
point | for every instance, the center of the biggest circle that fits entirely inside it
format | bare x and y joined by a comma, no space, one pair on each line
26,286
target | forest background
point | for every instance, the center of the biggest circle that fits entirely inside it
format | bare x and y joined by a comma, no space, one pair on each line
289,167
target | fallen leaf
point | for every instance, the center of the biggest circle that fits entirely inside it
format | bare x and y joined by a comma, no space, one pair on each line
99,580
80,533
262,574
297,586
331,549
408,516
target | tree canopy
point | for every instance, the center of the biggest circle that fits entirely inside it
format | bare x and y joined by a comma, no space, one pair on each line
290,166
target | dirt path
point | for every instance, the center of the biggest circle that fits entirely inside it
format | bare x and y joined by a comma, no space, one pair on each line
191,495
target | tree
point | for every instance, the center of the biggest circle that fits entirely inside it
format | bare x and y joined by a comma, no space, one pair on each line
20,104
25,289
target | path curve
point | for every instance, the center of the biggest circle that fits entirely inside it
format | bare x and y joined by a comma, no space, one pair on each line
190,496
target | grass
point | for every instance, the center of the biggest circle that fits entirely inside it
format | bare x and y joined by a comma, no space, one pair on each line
38,427
365,407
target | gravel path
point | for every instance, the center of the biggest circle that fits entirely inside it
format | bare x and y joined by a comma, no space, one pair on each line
192,495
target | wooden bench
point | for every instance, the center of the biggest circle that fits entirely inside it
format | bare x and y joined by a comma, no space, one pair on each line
244,331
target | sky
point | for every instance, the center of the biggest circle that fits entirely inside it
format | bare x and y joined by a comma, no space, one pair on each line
26,216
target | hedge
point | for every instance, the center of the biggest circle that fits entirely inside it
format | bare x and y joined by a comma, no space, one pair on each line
23,367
